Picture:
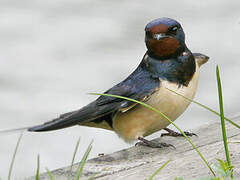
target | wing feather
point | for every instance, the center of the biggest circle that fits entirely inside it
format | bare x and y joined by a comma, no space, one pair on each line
139,85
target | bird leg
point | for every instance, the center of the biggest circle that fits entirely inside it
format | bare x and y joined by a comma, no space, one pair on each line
145,142
176,134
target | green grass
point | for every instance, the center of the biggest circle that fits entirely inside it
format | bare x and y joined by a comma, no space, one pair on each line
38,168
224,134
178,178
158,170
51,177
74,154
50,174
83,162
14,156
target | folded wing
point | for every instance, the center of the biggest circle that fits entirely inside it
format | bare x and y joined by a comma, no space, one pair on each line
139,85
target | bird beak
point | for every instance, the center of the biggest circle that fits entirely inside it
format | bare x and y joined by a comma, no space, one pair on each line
159,36
200,58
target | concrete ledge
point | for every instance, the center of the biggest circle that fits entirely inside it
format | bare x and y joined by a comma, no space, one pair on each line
140,162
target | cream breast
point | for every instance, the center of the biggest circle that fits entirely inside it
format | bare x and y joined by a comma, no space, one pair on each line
141,121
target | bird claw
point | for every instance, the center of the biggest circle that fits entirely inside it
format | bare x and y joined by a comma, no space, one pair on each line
190,134
176,134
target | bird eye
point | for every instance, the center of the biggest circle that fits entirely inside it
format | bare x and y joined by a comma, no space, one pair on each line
173,30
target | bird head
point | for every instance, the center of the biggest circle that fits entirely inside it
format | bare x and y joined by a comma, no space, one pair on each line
164,38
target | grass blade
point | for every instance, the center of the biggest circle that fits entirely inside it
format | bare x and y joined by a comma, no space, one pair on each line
163,115
83,161
38,167
14,155
224,134
158,170
205,107
180,178
74,154
50,174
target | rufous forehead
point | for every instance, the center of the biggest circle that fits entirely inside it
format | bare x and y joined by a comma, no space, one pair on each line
161,28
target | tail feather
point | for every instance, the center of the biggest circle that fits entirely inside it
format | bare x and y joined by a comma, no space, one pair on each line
10,131
63,121
56,124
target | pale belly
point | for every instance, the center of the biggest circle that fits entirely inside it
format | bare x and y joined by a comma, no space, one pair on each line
141,121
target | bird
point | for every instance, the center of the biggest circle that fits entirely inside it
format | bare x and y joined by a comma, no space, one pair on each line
166,64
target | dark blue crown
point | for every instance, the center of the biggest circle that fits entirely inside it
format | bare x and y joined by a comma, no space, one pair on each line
167,21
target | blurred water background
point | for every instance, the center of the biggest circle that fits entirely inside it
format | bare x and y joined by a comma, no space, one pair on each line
52,53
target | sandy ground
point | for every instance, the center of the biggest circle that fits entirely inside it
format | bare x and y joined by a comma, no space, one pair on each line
52,53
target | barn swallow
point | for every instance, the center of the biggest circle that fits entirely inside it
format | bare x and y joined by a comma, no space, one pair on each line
167,64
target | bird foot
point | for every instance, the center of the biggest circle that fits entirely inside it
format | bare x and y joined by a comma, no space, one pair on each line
145,142
176,134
